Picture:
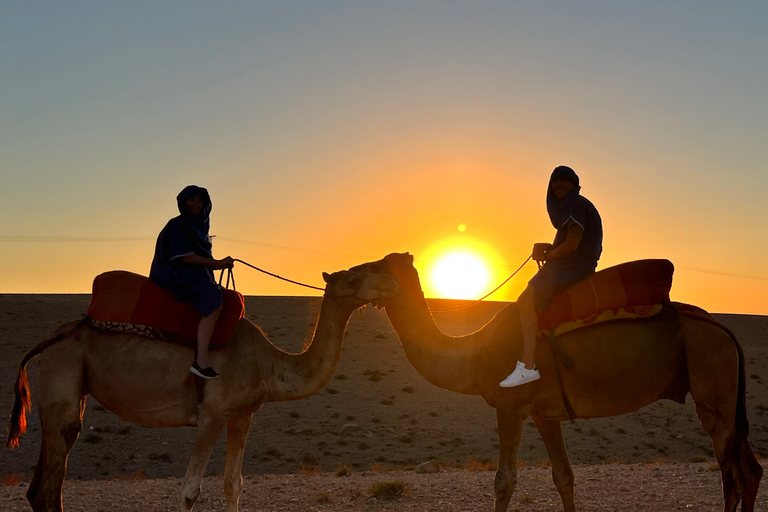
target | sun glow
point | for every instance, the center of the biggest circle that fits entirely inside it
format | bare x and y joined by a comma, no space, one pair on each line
459,275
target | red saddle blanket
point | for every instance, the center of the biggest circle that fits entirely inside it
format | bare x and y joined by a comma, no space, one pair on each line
121,296
635,283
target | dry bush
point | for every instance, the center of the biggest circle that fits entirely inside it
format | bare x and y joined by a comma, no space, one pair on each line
387,490
308,469
475,464
136,476
12,480
323,497
342,470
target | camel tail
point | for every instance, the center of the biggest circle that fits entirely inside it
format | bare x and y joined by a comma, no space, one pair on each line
22,402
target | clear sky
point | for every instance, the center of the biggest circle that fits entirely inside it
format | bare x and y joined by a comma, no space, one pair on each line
330,133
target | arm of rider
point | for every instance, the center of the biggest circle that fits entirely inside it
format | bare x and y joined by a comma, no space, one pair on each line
194,259
571,243
540,251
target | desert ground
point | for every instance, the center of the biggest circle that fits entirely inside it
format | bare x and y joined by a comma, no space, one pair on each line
379,419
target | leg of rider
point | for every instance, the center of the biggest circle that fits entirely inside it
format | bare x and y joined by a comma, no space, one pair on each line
529,325
204,334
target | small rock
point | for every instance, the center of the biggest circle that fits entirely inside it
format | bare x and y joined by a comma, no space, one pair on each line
427,467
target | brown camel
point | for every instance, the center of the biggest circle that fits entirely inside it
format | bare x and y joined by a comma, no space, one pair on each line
617,367
147,381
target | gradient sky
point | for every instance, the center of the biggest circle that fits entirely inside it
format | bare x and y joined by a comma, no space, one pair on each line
330,133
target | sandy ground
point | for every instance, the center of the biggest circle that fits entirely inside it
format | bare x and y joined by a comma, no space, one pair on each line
377,413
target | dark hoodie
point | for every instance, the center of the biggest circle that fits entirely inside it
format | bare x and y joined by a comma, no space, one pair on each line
580,210
183,235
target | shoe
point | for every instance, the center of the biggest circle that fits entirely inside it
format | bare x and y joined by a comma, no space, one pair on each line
521,375
206,373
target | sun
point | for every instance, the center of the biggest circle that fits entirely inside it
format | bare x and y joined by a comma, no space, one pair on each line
459,275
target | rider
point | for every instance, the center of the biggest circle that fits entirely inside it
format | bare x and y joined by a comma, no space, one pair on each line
571,257
184,264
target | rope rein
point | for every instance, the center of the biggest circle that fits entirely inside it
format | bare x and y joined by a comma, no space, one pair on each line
231,277
265,272
440,310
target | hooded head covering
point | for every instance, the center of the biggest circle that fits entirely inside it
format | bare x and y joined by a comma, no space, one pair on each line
197,226
557,209
564,172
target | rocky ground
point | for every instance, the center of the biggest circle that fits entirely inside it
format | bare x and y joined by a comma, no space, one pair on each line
378,417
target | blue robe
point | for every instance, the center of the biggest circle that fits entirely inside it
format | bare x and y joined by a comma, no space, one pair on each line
182,236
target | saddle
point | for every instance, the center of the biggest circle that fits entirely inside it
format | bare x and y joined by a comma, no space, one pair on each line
628,290
130,302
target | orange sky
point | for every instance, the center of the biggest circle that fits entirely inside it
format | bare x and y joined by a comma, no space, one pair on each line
329,137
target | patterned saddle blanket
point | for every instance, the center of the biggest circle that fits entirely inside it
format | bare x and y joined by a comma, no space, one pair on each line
126,301
623,290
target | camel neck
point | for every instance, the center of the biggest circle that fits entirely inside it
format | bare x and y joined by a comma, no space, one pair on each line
298,376
443,360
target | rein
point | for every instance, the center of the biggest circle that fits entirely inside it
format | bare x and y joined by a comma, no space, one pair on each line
440,310
231,276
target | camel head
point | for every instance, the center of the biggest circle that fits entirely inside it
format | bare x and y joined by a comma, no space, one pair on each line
361,285
399,266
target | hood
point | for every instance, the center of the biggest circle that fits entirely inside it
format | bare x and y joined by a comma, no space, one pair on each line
193,190
555,207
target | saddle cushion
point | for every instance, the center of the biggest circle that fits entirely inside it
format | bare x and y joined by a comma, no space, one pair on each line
635,283
121,296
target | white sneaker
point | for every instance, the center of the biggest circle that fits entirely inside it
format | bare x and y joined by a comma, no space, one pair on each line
521,375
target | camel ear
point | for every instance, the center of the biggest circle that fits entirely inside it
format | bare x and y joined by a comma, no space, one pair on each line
326,277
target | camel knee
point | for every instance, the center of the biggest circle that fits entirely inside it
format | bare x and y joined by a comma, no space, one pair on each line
71,432
189,496
42,500
232,489
504,485
563,479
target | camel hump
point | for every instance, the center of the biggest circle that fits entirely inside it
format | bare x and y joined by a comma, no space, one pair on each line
122,297
631,284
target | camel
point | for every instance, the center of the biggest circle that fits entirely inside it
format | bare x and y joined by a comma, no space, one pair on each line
610,369
147,381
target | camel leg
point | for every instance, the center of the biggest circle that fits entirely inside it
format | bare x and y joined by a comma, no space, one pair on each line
716,376
237,434
752,472
562,473
510,420
208,429
61,406
721,430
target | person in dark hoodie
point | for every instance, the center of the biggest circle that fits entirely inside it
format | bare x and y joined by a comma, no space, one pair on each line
183,264
571,257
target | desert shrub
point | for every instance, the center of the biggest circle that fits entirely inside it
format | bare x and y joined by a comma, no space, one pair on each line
342,470
387,490
475,464
323,497
308,469
11,480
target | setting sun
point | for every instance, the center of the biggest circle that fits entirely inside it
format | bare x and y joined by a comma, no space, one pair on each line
459,275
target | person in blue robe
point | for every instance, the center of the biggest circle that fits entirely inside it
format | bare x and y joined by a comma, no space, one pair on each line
570,258
183,264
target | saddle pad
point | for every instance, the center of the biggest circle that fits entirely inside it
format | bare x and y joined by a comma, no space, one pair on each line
635,283
607,315
121,296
